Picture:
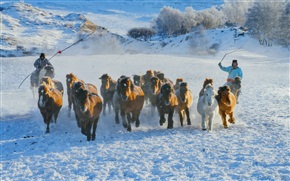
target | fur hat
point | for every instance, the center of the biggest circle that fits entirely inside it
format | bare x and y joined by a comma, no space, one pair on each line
234,61
42,55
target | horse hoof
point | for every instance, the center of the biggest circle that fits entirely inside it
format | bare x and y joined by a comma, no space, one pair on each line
188,123
137,125
47,131
169,127
203,129
129,129
226,127
93,138
125,125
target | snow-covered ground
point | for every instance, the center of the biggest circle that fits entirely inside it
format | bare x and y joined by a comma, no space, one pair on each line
255,148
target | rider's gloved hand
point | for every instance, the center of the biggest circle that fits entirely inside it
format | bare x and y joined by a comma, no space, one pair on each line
220,64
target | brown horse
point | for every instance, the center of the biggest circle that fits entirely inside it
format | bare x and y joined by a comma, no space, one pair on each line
131,102
70,80
49,104
137,80
177,82
153,91
227,102
185,99
166,102
206,81
116,100
164,80
236,87
89,108
53,83
108,88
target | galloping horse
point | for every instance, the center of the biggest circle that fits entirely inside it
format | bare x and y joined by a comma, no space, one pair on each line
117,99
89,107
227,102
177,82
185,99
236,87
166,102
53,83
131,102
207,106
153,90
35,81
49,103
70,80
108,88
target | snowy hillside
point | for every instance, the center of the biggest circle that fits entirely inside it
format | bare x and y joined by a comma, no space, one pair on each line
256,147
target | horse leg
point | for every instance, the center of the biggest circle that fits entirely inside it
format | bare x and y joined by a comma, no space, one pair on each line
210,121
88,130
47,121
170,119
117,116
110,106
232,119
203,121
104,107
95,128
56,115
129,122
188,116
124,121
162,119
69,105
181,117
223,116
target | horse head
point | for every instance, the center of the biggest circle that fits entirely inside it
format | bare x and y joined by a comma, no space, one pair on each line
178,81
49,71
183,89
137,80
166,92
154,86
43,94
236,84
81,99
126,87
48,81
209,94
106,79
224,94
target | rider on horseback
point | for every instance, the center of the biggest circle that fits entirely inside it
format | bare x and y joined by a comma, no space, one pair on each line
233,71
39,64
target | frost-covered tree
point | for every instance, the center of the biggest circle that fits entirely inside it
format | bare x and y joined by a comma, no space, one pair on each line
191,18
283,34
235,11
263,20
212,18
169,21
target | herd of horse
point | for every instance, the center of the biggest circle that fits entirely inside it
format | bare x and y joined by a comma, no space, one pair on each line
127,97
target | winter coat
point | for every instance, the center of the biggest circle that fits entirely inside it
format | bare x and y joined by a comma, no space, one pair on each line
233,72
39,64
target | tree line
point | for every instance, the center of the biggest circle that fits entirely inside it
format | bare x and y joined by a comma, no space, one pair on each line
267,21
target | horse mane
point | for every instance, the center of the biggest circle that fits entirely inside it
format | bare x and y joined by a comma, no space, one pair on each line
48,81
207,81
222,89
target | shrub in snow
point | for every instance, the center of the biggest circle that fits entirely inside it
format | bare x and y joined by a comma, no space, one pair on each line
145,33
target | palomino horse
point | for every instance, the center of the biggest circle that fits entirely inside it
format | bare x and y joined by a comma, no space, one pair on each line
236,86
131,102
227,102
53,83
36,81
108,88
185,99
166,102
89,108
153,90
207,106
49,103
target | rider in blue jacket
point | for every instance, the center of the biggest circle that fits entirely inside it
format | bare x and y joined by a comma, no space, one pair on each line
39,64
233,71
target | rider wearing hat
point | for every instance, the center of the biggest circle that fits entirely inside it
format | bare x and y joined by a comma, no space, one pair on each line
39,64
233,71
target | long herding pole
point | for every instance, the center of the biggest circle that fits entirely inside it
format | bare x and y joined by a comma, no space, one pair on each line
233,51
58,52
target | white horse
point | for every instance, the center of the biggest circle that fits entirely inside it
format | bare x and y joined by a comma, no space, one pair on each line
207,107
